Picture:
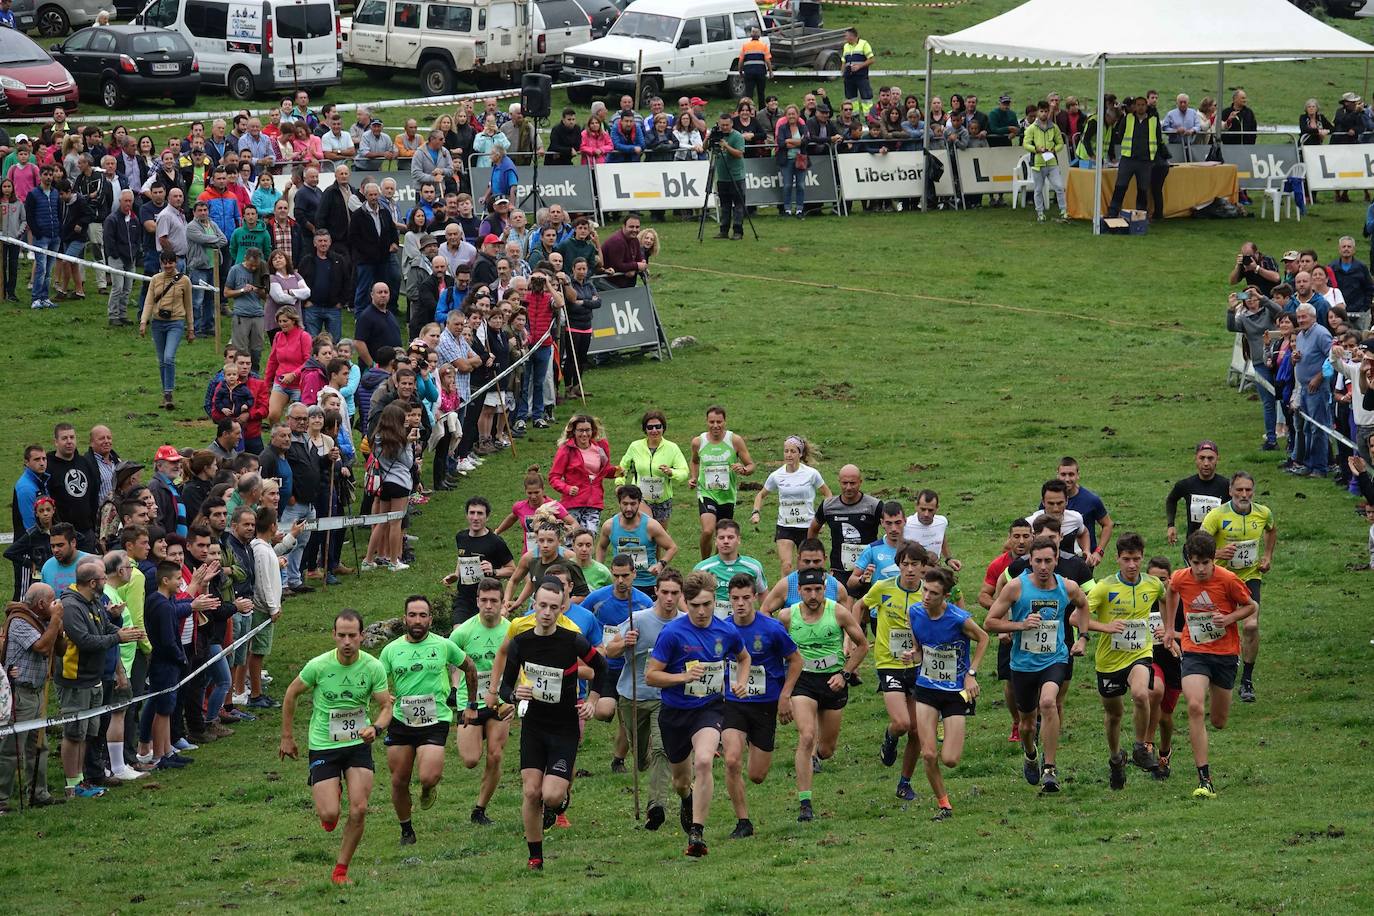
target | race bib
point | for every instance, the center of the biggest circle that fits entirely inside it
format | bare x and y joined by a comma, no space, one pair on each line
1135,637
717,476
483,685
639,553
420,710
1246,555
1199,506
1156,621
900,641
546,683
469,570
1203,629
794,513
347,725
711,682
652,488
941,665
756,685
821,665
611,631
1042,640
849,555
723,609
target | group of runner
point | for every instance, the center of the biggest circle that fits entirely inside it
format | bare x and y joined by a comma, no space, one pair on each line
709,663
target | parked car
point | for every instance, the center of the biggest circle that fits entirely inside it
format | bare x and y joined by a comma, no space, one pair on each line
58,17
132,62
1342,8
32,81
24,17
601,15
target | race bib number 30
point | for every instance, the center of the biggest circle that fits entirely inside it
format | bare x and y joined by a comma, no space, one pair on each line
711,682
941,665
347,725
1042,640
546,683
1134,638
420,710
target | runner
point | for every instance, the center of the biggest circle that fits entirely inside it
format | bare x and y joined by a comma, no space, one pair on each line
1211,600
341,683
655,464
1054,502
854,519
546,658
728,562
637,535
481,637
688,666
752,719
878,560
930,530
1119,608
796,484
719,459
481,553
597,574
613,606
784,593
1017,546
1237,527
947,685
535,507
531,567
1034,605
1089,505
819,625
1168,677
889,603
422,668
639,702
1204,491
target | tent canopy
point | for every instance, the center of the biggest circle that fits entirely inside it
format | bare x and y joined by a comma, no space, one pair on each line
1079,34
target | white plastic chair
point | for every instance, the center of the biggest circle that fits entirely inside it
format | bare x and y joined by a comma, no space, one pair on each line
1276,192
1021,181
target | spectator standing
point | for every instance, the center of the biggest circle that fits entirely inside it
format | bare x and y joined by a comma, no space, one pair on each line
247,288
1354,281
1044,141
43,218
326,276
565,139
1236,123
1181,123
1313,347
755,65
856,56
33,630
1144,156
74,484
123,241
167,307
1003,125
372,239
205,246
793,140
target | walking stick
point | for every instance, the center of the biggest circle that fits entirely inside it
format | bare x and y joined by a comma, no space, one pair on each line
328,535
572,351
634,720
215,301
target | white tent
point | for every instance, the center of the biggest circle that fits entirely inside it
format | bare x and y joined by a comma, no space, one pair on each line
1075,33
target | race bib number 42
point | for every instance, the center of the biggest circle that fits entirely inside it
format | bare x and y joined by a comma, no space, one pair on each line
1246,555
347,725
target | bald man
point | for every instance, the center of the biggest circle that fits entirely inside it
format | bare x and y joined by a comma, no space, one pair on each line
104,458
32,628
855,521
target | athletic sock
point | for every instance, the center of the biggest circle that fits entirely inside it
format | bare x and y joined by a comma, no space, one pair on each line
73,782
116,752
536,849
406,828
1204,773
804,796
699,828
1247,671
944,802
903,780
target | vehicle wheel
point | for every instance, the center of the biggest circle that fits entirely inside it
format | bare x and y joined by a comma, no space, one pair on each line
581,95
436,78
1307,6
650,86
828,60
186,102
734,85
53,22
319,91
241,84
376,74
110,95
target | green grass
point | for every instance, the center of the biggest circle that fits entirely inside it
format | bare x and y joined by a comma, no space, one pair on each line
933,351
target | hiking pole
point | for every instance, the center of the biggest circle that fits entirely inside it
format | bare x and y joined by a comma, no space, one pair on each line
634,722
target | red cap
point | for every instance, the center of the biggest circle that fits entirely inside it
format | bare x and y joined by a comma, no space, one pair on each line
491,239
167,453
696,101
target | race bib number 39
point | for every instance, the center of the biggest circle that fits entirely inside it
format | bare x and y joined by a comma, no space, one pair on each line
711,682
347,725
1134,638
1041,640
420,710
546,683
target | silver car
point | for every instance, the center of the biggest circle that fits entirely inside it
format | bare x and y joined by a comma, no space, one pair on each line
55,18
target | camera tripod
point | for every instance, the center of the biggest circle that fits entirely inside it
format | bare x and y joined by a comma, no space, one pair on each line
710,183
534,175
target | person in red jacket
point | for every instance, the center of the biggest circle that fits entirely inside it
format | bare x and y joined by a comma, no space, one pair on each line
580,467
290,350
541,302
622,256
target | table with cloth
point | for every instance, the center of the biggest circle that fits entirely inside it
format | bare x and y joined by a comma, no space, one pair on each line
1189,185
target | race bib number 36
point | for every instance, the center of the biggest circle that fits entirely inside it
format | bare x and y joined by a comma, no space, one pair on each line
347,724
711,682
546,683
1203,629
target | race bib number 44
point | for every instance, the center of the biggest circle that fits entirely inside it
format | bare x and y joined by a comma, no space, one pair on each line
1134,638
711,682
546,683
347,724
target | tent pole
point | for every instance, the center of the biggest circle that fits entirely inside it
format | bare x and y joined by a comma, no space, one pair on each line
1221,85
925,134
1101,147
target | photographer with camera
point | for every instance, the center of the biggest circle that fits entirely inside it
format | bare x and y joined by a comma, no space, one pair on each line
726,146
1255,315
1254,269
167,307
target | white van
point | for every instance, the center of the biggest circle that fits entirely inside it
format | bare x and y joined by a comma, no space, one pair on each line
684,43
252,47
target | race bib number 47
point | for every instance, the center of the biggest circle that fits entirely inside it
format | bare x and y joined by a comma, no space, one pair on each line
711,682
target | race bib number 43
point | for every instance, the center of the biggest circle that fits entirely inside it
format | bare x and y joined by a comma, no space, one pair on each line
347,725
900,641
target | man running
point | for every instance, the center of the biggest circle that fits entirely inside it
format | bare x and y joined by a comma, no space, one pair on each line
639,536
728,562
1237,526
481,637
719,459
1212,601
890,603
614,605
930,529
1033,607
810,555
1017,546
422,668
533,566
688,666
639,703
1054,502
480,553
878,560
1204,491
545,660
854,519
1119,608
341,684
752,719
1089,505
947,685
1168,676
819,625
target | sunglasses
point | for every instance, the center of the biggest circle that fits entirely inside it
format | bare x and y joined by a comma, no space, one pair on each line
650,426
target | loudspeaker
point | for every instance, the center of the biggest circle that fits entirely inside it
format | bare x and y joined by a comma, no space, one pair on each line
535,92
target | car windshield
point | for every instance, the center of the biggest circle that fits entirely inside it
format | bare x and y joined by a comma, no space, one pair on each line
154,42
20,49
646,25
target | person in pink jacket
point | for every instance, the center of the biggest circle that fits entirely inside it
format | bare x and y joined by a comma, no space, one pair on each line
290,350
596,142
580,466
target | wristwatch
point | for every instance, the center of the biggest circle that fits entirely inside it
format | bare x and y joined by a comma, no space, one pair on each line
472,704
848,676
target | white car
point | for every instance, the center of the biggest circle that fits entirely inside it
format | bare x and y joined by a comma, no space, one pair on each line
683,43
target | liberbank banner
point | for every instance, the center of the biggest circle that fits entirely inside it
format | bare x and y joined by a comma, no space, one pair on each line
893,176
626,320
1338,168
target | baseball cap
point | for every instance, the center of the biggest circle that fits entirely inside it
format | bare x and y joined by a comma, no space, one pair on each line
1206,444
490,239
810,577
376,121
21,138
697,101
1290,256
167,453
499,201
1004,98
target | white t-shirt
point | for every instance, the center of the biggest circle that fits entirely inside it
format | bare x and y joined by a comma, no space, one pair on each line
1068,529
931,536
796,494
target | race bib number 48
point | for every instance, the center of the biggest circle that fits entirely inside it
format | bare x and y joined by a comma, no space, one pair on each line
794,513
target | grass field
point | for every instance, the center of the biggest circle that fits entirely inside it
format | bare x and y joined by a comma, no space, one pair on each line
965,352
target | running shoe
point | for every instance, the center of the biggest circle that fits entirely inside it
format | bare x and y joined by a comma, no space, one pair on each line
1116,765
684,813
656,817
1031,770
1162,771
427,797
887,753
943,814
479,817
181,744
1143,756
815,764
696,843
745,828
407,837
562,821
1015,736
1247,692
84,790
550,816
1205,790
535,865
1049,781
806,813
905,792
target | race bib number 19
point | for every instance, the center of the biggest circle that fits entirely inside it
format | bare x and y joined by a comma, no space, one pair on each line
1041,640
